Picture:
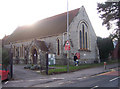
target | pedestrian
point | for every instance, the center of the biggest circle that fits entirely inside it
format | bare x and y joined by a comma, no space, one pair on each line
77,62
75,58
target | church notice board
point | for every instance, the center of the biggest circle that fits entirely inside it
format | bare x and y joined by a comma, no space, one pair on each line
67,45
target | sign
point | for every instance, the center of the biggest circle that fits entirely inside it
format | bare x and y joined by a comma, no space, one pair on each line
78,55
51,58
67,45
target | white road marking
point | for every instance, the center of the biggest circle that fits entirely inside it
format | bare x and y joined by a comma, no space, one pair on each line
47,86
80,78
32,80
66,82
18,81
61,83
58,78
94,87
6,82
29,80
114,79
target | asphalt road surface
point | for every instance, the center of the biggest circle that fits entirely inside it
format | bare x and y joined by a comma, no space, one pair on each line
109,79
92,78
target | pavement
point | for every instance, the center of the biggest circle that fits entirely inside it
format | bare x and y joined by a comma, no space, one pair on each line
28,78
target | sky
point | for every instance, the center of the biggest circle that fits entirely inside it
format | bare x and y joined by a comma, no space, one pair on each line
15,13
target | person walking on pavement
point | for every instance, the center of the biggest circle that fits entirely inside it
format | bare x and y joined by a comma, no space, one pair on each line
75,58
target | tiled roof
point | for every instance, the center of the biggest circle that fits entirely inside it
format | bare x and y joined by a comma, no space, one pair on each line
54,25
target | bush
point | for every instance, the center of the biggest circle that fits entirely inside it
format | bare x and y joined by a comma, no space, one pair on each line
5,57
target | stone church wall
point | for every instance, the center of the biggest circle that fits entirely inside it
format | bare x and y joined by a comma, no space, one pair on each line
87,55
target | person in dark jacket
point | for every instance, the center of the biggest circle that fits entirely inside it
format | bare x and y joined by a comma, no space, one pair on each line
75,58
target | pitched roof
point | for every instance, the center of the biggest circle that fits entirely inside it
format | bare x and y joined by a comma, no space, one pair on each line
5,37
54,25
42,45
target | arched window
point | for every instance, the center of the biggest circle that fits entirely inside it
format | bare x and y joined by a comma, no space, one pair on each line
17,52
83,30
86,39
83,36
13,51
80,40
22,50
58,47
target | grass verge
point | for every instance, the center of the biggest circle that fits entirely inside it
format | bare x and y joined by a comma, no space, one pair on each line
63,68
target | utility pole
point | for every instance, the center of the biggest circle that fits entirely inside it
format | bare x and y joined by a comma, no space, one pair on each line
67,37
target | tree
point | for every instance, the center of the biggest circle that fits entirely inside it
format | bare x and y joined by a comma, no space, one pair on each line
105,46
5,57
110,14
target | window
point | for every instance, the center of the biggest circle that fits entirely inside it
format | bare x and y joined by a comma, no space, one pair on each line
25,52
80,40
83,30
17,52
86,40
22,50
83,36
13,51
58,47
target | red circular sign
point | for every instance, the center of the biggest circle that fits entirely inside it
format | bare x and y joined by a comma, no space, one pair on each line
78,55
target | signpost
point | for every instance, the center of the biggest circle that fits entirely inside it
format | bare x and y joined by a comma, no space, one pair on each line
67,38
67,45
46,63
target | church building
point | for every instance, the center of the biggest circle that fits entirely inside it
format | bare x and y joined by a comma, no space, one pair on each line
31,43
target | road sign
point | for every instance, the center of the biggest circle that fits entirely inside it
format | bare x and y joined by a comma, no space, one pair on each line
67,45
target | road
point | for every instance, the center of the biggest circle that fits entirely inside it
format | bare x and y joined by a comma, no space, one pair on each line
92,77
107,79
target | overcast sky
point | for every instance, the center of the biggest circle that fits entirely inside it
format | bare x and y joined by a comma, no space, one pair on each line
14,13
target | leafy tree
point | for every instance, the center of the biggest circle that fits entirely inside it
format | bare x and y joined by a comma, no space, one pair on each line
5,57
110,14
105,46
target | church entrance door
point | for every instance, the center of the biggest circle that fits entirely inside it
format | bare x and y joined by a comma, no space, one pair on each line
34,56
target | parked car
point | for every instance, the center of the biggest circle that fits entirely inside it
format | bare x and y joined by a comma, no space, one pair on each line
4,73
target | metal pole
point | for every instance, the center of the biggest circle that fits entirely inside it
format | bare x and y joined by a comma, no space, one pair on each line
67,37
46,63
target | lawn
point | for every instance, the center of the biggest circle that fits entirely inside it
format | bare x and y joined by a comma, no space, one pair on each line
63,68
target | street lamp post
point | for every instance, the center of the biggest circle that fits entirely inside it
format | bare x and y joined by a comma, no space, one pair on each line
67,37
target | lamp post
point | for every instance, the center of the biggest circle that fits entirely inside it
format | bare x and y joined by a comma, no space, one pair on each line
67,37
